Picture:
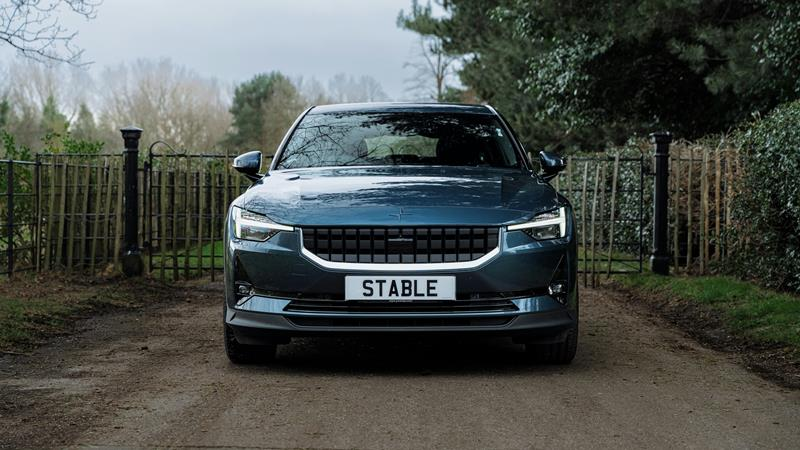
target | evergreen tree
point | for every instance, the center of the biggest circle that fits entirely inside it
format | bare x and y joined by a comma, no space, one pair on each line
53,121
5,113
589,73
250,101
84,127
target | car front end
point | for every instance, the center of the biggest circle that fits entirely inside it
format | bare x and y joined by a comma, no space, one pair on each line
337,250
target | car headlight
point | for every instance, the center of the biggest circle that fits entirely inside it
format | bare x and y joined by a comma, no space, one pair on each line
255,227
549,225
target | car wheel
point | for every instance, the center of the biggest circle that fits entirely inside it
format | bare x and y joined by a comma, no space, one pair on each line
247,354
555,353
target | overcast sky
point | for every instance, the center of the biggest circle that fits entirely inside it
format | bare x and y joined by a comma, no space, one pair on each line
235,39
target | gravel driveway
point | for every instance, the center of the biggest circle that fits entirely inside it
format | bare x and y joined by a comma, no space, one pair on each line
159,377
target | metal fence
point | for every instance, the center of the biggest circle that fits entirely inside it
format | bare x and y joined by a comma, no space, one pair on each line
79,215
18,223
67,211
185,205
608,198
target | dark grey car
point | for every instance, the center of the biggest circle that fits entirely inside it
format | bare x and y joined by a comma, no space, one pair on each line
400,218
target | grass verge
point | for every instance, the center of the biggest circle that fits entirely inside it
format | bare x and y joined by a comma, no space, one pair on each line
35,307
755,313
729,314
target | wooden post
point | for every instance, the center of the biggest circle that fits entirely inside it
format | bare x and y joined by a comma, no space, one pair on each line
62,214
613,214
201,210
188,216
107,226
48,251
174,196
689,211
569,177
594,209
676,181
583,223
225,173
162,221
98,199
602,223
118,222
704,212
37,182
84,225
73,211
730,156
717,203
213,224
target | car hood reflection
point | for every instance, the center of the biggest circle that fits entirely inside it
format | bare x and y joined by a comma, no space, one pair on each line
399,195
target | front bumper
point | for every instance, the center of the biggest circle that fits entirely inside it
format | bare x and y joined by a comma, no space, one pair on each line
261,319
511,286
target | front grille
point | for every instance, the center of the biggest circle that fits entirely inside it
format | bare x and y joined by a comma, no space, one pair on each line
394,307
400,245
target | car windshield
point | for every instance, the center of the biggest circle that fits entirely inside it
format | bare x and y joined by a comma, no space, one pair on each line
398,138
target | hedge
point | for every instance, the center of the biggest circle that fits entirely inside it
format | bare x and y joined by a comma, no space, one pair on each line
767,204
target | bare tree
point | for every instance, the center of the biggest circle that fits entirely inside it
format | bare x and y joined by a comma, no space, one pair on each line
311,90
169,101
343,88
433,69
34,28
28,87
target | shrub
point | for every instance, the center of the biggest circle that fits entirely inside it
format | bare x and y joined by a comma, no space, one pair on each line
767,204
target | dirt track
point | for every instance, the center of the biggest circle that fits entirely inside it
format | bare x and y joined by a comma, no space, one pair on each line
159,377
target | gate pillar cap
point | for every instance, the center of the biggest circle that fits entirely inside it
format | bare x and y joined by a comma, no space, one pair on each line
131,131
131,136
661,137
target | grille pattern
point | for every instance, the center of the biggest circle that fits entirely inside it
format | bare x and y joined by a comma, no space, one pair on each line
400,245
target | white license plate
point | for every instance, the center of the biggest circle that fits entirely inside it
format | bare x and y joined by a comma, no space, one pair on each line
399,288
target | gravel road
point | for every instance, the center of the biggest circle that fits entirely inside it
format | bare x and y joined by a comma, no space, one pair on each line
158,377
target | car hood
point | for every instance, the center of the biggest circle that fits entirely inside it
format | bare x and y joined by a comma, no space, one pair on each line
399,196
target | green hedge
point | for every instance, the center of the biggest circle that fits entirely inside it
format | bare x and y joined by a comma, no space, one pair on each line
767,205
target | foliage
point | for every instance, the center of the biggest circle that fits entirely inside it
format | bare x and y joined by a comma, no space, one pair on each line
11,150
767,206
53,121
251,106
68,144
84,127
585,74
5,110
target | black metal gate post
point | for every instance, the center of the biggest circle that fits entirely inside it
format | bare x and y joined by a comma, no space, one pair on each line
659,261
132,264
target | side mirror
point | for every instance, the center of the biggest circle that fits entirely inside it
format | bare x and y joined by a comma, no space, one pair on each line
552,164
248,164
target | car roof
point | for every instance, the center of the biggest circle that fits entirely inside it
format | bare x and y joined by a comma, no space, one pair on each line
403,107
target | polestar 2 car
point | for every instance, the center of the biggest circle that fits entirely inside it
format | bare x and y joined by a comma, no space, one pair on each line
400,218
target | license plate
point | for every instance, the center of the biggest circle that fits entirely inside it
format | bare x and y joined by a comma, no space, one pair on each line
400,288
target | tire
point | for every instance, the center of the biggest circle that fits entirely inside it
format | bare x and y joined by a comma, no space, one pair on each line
555,353
247,354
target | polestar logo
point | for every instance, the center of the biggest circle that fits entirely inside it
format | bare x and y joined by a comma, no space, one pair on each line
401,214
